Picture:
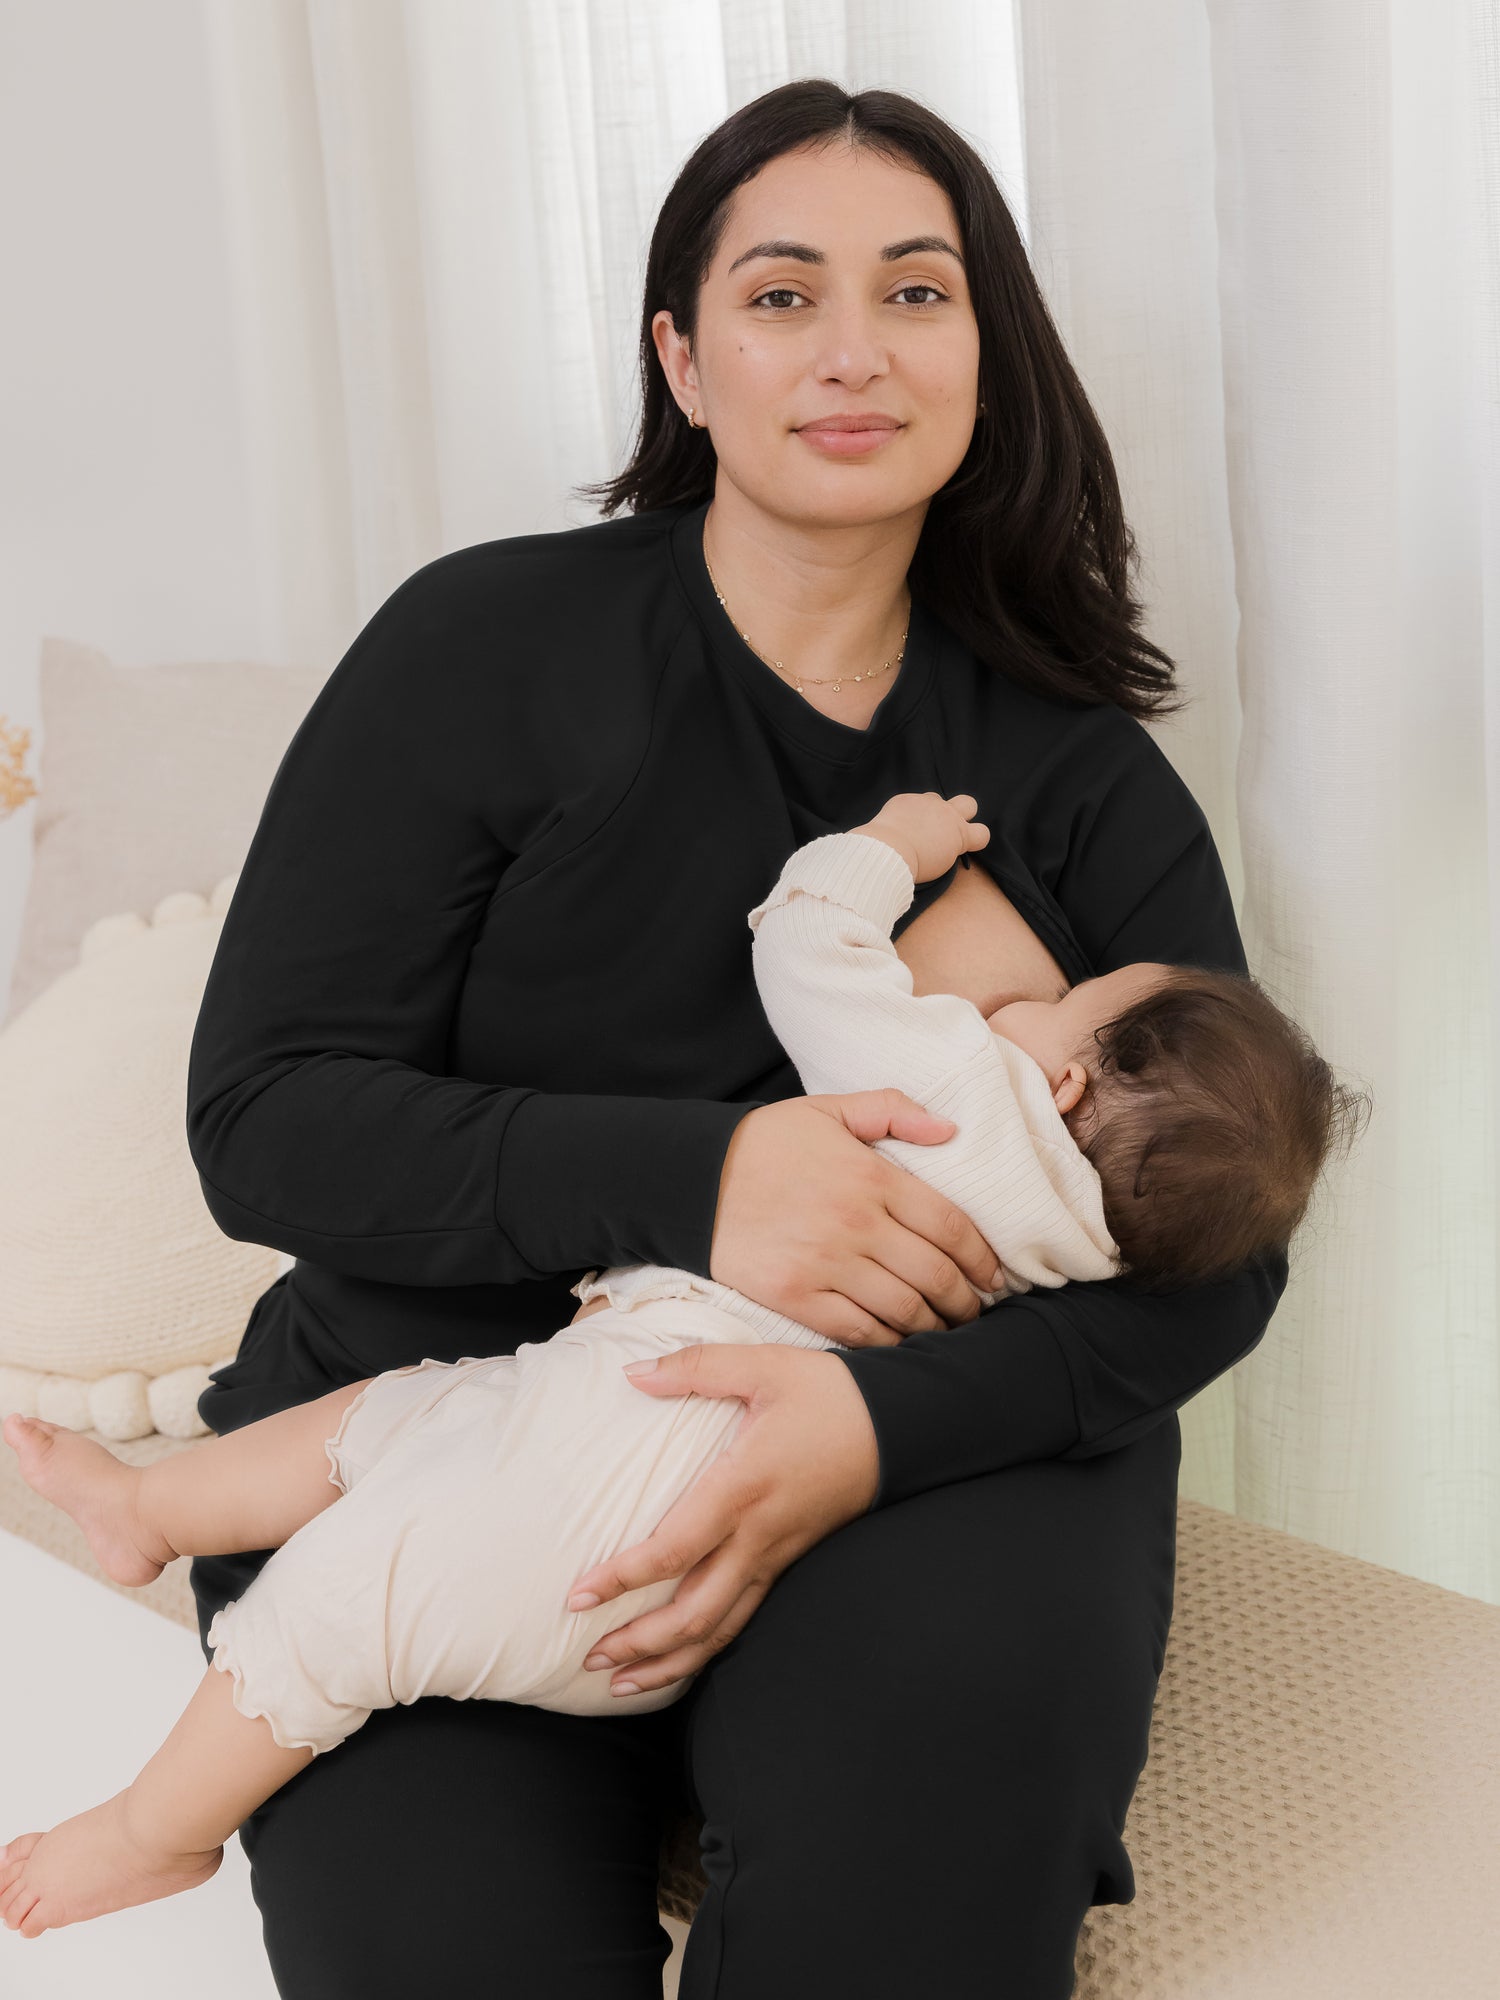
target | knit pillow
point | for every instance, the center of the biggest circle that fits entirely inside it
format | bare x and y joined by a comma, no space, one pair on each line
120,1291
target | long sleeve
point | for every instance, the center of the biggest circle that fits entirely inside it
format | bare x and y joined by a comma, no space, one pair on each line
320,1112
1127,852
840,1001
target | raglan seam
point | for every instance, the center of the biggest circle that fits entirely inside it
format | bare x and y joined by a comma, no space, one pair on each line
579,847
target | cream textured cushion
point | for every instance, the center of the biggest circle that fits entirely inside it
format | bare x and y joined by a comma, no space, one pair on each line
1319,1813
121,1291
151,779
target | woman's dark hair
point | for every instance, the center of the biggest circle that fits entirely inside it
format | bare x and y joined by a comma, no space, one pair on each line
1025,553
1209,1118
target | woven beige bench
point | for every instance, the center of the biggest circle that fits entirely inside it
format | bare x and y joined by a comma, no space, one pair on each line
1320,1813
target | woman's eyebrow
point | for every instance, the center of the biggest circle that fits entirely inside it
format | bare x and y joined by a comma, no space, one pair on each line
804,253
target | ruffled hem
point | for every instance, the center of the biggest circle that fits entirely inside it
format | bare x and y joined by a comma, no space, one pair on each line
627,1286
225,1664
340,1463
334,1447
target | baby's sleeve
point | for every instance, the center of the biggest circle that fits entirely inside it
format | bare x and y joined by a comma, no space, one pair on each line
837,996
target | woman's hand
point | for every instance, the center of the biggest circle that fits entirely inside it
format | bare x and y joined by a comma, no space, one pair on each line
803,1462
814,1224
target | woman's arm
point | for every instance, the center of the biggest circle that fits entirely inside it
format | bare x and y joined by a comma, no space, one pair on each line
320,1114
1126,850
1121,842
1064,1374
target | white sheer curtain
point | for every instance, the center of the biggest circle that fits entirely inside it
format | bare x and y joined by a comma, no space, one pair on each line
1271,239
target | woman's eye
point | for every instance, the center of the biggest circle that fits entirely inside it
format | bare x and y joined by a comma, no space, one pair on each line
787,292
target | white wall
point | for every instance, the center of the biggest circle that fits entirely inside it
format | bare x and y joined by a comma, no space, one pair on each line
123,519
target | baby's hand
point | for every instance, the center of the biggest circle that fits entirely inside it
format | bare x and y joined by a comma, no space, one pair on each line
929,831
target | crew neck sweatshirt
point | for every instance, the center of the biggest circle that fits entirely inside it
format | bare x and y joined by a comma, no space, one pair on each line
482,1016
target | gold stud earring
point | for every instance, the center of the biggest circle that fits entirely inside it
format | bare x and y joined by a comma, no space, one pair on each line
692,414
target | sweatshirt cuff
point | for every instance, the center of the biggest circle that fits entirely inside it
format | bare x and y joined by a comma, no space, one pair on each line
613,1180
863,873
943,1415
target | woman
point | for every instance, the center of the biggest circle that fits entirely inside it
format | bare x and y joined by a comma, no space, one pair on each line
482,1018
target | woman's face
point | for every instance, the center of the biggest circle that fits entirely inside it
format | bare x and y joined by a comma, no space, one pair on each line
803,315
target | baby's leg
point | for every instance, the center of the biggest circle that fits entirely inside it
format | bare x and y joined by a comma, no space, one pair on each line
163,1833
250,1490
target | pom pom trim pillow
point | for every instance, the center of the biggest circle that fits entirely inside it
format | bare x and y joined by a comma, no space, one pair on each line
121,1291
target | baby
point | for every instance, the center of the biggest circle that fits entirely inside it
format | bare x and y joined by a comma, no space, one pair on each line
1159,1122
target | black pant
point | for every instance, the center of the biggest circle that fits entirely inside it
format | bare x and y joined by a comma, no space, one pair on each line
914,1766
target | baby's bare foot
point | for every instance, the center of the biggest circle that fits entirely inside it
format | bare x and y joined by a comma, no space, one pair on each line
87,1867
96,1488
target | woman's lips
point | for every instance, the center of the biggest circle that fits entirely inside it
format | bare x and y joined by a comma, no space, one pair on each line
850,444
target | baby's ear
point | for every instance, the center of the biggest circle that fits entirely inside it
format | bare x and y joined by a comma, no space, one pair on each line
1070,1091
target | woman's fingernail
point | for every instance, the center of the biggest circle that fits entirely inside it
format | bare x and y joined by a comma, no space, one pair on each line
997,1283
597,1660
639,1367
582,1600
624,1687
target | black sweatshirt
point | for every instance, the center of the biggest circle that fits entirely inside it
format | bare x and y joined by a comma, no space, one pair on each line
482,1016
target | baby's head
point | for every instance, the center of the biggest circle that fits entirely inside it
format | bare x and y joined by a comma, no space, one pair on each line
1206,1112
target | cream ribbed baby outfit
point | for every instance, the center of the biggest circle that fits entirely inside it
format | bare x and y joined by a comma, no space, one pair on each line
474,1492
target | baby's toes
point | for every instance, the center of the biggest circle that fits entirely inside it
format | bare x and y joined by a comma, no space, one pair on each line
37,1919
16,1904
13,1857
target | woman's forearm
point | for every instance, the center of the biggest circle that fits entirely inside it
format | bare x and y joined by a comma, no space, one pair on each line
378,1170
1057,1374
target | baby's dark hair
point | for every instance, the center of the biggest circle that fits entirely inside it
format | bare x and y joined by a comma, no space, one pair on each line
1209,1117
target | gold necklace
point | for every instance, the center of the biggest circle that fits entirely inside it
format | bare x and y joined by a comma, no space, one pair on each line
796,679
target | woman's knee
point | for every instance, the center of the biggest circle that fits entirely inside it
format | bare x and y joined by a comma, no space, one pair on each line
455,1847
1050,1579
